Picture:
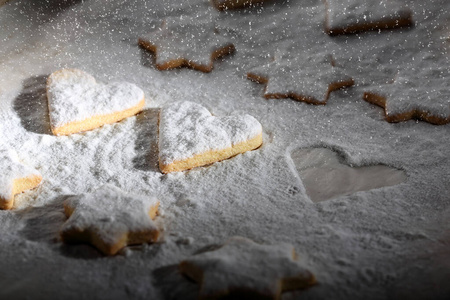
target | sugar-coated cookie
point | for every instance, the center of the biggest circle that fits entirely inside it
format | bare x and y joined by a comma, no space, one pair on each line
110,219
15,177
235,4
309,78
424,96
242,268
78,103
186,42
353,16
189,136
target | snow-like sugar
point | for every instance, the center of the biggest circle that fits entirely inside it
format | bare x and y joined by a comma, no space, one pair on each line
383,243
74,95
187,129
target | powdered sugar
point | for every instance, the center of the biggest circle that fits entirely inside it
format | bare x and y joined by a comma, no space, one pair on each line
232,4
386,243
367,14
11,169
110,213
308,78
187,129
240,264
192,39
425,93
74,95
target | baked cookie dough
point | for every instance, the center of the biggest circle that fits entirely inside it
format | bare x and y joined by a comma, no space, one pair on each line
189,136
15,177
423,96
110,219
78,103
235,4
242,268
353,16
309,78
186,42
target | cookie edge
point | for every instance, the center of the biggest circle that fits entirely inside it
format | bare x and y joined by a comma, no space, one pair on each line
97,121
211,156
227,49
20,185
380,100
82,236
310,100
405,21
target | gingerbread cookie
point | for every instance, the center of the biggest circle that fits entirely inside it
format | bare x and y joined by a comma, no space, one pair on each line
235,4
189,136
186,42
353,16
110,219
242,268
15,177
417,95
309,78
78,103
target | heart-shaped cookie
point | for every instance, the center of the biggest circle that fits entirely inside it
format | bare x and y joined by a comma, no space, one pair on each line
189,136
78,103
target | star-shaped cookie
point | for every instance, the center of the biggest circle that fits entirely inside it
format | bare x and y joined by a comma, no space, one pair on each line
422,95
235,4
243,268
186,42
78,103
110,219
15,177
308,77
190,136
353,16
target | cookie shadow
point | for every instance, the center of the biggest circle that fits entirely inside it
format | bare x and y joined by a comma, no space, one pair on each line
173,285
42,223
146,145
148,58
31,105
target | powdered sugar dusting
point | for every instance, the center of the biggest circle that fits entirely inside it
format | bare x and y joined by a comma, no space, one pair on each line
74,95
295,71
345,13
192,38
110,212
11,168
243,264
386,243
187,128
425,92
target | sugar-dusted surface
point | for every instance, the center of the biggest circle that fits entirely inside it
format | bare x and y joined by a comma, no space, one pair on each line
355,15
424,93
111,217
384,243
11,169
234,4
74,95
309,77
188,41
241,264
187,129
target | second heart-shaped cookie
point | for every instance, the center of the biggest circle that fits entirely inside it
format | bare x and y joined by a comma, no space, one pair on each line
189,136
78,103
